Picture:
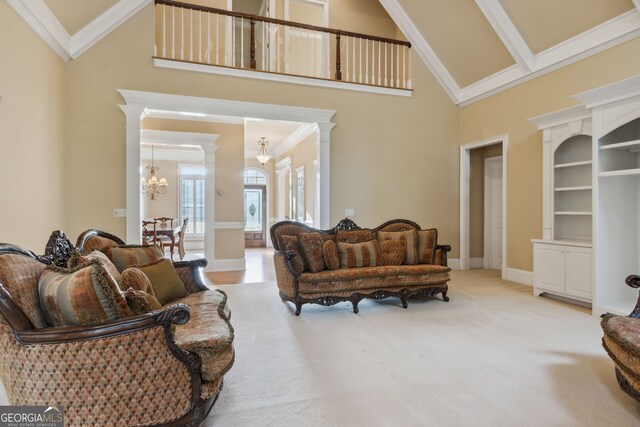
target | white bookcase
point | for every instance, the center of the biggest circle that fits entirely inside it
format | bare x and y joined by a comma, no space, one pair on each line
616,135
562,259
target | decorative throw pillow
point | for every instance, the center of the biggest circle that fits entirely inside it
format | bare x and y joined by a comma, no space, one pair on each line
141,302
85,295
311,245
392,252
77,259
409,238
330,255
134,278
427,240
164,278
98,243
133,255
356,236
366,254
291,243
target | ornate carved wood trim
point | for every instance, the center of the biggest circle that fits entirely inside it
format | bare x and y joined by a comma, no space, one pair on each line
83,237
195,266
59,249
405,293
13,313
634,282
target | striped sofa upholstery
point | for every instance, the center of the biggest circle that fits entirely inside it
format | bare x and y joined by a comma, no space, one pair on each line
423,272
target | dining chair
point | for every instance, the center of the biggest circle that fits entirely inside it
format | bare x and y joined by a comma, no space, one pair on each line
165,222
149,235
180,242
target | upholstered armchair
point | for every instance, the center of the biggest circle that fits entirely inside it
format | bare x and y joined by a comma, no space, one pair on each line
622,342
130,371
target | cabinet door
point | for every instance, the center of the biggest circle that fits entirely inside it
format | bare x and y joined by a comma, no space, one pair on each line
549,267
579,273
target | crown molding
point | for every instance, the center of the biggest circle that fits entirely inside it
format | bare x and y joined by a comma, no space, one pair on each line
614,92
422,47
299,135
45,24
196,156
614,32
571,114
40,18
240,109
104,24
283,164
507,32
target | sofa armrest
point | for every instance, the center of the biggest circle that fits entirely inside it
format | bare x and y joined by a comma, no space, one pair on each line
634,282
441,254
286,276
114,362
191,274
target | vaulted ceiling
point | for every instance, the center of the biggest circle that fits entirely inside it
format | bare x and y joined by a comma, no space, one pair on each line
475,48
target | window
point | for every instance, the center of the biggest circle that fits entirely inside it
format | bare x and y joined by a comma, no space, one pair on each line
255,177
300,213
192,198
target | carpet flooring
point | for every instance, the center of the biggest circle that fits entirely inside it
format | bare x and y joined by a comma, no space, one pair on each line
493,356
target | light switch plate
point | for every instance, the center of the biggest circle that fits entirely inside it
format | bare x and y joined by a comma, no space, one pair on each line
119,213
350,212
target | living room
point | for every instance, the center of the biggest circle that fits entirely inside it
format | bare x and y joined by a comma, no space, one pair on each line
81,79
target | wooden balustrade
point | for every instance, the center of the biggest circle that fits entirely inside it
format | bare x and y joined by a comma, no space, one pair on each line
225,38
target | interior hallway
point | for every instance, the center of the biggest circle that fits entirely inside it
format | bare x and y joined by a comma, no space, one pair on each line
259,269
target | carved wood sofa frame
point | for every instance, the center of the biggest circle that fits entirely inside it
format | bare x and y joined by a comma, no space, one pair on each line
57,251
285,272
632,281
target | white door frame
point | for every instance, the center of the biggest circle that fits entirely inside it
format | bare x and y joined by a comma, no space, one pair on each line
488,247
465,178
139,105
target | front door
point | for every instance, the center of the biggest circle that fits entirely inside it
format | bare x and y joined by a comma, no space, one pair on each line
255,213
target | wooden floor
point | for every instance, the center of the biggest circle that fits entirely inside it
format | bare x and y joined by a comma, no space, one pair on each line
259,269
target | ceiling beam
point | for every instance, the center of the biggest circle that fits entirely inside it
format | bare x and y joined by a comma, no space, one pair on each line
422,48
508,33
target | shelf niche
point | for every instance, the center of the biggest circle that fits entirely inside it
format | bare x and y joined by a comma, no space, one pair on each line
572,186
619,150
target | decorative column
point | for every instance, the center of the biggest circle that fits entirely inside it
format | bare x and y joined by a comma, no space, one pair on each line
134,115
282,168
209,204
547,194
324,170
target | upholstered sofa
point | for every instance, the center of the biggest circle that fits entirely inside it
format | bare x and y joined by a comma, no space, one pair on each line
622,342
164,367
300,286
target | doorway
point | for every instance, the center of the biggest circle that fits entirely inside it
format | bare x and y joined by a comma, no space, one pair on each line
255,208
483,204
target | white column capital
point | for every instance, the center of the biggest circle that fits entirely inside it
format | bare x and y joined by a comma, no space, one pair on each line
325,132
283,165
134,114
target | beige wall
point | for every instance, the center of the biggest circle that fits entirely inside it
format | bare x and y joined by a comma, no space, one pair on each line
32,89
390,156
476,197
507,113
304,154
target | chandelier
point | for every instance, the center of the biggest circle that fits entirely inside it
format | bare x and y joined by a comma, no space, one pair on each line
154,187
263,154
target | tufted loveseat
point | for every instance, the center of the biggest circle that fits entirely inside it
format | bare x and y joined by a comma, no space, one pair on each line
329,287
164,367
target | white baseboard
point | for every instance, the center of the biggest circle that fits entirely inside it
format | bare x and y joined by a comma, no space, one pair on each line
476,263
453,263
520,276
226,265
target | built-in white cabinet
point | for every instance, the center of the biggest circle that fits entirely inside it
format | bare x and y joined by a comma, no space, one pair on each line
562,258
562,269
